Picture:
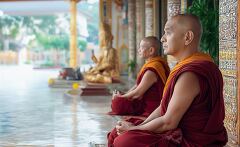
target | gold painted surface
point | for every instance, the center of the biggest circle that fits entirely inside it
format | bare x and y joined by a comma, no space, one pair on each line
107,65
73,35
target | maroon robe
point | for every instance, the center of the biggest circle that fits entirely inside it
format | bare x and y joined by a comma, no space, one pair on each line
151,98
201,125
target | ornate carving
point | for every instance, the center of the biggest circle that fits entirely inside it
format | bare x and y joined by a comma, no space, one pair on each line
174,7
228,60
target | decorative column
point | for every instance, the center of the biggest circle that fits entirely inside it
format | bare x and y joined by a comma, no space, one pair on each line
140,33
73,35
174,7
132,37
105,13
149,18
229,64
184,6
162,20
238,70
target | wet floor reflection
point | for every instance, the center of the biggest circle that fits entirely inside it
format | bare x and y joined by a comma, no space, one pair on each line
31,113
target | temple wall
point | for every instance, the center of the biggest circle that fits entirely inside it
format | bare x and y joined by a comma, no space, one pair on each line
132,36
120,33
140,27
228,64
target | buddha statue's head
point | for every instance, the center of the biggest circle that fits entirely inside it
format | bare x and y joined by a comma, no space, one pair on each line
105,35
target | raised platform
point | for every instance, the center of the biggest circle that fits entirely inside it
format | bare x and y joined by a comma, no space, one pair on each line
88,89
84,88
58,83
91,89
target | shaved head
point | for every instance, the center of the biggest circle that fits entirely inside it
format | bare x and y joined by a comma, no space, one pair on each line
182,35
152,41
189,22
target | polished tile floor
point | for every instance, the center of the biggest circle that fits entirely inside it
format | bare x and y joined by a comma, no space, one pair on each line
32,114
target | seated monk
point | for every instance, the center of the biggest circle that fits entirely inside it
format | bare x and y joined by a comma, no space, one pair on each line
107,66
143,98
192,110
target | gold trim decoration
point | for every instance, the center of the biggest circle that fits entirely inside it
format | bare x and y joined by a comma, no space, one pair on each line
183,6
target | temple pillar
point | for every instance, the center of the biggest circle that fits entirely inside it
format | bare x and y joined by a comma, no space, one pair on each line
162,20
73,33
229,64
132,38
149,28
140,27
174,7
105,13
238,70
184,5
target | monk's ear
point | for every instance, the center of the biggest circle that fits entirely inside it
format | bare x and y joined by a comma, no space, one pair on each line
189,37
152,50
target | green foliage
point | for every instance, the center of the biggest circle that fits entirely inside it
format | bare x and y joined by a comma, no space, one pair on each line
7,21
132,65
27,62
47,24
45,31
207,11
93,9
13,46
14,31
53,41
93,16
82,45
1,45
58,42
9,26
47,63
93,33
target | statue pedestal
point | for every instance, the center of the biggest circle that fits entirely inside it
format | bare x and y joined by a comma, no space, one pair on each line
95,90
60,83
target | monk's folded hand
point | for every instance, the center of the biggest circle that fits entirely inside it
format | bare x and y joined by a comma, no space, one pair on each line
123,126
115,94
134,98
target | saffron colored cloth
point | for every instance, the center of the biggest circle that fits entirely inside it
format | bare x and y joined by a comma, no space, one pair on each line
151,98
202,124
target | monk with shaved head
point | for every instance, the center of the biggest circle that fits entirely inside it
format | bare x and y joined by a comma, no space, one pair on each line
146,94
192,110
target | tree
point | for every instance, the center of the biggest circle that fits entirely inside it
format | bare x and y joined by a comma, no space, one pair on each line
82,45
207,11
9,27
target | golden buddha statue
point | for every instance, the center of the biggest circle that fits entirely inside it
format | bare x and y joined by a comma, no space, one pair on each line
107,65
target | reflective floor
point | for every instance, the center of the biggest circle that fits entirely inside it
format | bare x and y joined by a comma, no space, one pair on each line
32,114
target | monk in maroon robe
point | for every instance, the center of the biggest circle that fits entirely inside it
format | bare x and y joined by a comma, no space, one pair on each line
192,110
146,95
